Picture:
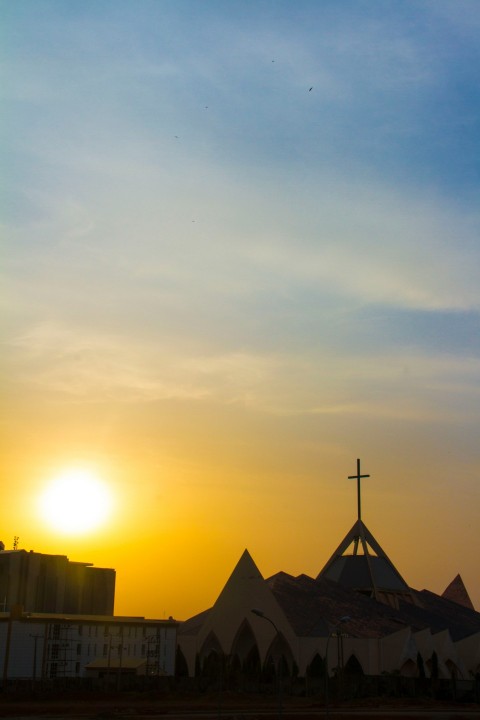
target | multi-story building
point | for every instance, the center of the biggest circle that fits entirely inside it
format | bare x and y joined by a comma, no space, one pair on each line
43,645
57,621
54,584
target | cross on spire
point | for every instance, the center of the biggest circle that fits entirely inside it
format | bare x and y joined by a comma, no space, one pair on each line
358,477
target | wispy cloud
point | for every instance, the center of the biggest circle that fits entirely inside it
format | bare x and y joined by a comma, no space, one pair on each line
264,213
87,368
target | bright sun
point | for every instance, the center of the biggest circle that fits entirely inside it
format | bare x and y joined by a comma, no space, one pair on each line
75,502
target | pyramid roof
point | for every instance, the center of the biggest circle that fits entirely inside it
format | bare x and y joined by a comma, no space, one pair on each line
457,592
306,608
367,568
359,582
245,590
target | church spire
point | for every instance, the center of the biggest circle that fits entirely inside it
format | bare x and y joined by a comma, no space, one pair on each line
371,573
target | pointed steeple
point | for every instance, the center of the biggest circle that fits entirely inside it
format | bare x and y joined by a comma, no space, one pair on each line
244,590
457,592
367,568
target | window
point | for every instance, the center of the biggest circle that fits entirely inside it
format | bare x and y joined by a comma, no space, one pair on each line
54,652
79,649
105,650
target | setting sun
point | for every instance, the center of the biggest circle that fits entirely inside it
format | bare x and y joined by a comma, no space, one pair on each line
75,502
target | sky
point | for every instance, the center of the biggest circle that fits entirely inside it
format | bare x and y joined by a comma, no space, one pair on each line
241,250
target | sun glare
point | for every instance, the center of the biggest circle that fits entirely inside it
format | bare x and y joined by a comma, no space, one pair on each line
75,502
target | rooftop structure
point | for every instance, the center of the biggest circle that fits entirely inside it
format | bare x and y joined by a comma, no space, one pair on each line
387,626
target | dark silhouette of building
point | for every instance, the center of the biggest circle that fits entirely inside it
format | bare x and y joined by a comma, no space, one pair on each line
358,616
53,584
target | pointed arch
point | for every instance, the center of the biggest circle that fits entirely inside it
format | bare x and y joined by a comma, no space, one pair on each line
251,665
353,666
453,669
234,676
243,642
315,675
181,665
211,662
316,667
269,674
280,653
211,645
432,666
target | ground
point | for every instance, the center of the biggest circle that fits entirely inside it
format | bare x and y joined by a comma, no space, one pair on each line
228,707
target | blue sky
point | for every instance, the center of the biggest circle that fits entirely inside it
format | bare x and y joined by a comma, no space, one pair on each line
265,206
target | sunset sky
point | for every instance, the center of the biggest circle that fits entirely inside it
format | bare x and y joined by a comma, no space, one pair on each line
241,248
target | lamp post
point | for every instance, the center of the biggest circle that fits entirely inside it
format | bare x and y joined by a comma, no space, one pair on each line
335,633
120,659
261,614
109,660
34,667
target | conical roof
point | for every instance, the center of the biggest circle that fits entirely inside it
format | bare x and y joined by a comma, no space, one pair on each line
457,592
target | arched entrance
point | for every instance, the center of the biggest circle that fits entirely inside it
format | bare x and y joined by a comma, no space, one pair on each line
211,664
353,667
244,665
315,676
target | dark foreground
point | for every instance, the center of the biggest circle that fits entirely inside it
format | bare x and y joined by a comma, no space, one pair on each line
228,707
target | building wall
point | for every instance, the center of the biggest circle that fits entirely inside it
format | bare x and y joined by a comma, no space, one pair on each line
57,647
53,584
89,590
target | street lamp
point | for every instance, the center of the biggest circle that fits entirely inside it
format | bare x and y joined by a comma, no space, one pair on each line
119,647
261,614
34,668
335,633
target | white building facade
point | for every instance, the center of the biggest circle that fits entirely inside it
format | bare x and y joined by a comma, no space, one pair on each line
50,646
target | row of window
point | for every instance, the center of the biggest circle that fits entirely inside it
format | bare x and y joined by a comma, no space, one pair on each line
53,670
58,650
127,631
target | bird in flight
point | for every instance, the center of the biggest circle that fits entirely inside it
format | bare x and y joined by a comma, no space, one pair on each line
310,89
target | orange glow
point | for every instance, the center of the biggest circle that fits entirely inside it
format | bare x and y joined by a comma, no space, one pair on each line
187,506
